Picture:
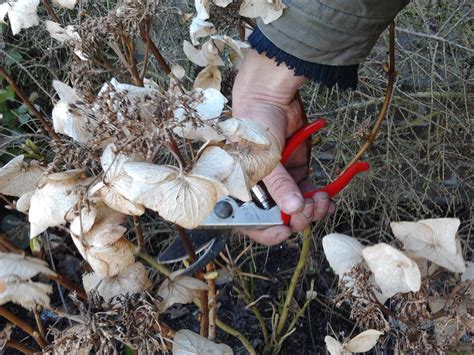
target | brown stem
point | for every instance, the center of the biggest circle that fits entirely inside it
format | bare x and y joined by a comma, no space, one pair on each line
132,61
5,313
388,98
28,104
204,322
39,324
20,347
139,232
212,296
8,202
66,283
51,11
8,245
145,34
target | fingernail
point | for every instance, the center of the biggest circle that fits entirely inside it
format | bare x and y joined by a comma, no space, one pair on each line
291,203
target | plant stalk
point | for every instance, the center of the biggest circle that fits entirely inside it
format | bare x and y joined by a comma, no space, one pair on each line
5,313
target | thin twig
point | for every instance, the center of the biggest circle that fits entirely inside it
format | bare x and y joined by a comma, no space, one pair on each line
388,98
139,232
28,104
51,11
153,263
39,324
5,313
66,283
8,245
212,302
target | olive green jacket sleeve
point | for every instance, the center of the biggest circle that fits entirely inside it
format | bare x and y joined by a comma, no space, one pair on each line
331,32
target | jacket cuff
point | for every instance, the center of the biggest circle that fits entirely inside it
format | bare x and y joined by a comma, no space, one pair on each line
345,76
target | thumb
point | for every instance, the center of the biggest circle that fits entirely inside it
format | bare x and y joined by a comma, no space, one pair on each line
284,190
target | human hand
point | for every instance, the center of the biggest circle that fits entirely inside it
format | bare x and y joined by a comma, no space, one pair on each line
266,92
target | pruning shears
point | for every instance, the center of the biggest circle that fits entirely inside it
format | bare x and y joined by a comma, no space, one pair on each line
262,212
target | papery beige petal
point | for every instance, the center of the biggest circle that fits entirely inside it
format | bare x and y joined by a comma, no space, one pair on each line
394,272
342,252
207,55
334,347
61,34
238,183
214,162
211,104
235,45
83,222
28,294
363,342
238,129
433,239
23,203
178,71
200,28
257,160
187,342
22,267
260,8
4,9
18,177
209,77
202,9
68,4
222,3
51,203
22,14
118,202
133,279
185,200
182,290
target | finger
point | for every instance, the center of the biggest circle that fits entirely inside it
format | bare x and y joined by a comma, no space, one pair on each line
284,190
270,236
322,204
303,219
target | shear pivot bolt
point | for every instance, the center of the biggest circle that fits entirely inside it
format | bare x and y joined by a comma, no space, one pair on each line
223,209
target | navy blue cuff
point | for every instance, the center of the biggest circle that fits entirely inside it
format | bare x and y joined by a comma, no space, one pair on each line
345,76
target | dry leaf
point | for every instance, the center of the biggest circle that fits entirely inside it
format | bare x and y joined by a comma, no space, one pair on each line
342,252
61,34
133,279
261,8
27,294
68,4
334,347
433,239
200,28
394,272
363,342
209,77
83,222
181,289
18,177
22,267
21,14
187,342
68,117
54,200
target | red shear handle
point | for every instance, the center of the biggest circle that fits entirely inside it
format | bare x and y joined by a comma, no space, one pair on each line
299,137
336,186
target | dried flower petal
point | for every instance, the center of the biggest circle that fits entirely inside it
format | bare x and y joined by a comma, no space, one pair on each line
261,8
334,347
394,272
18,177
342,252
68,4
22,267
21,13
433,239
363,342
209,77
200,28
61,34
187,342
181,289
133,279
27,294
